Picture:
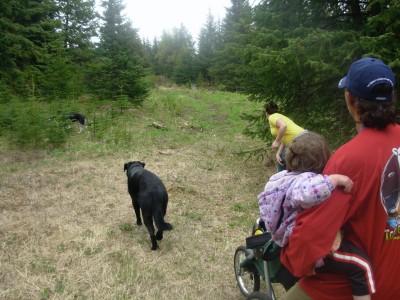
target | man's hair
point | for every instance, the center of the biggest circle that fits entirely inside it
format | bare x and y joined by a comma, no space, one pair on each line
271,108
377,115
308,152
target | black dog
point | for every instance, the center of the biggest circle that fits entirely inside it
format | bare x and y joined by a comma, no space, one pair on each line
79,118
148,194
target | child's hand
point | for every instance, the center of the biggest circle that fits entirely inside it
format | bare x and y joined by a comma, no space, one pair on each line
347,185
343,181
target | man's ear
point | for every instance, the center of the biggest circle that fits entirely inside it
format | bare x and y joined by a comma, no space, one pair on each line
351,105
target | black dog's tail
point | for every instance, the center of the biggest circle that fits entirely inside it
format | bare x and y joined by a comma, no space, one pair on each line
160,223
167,226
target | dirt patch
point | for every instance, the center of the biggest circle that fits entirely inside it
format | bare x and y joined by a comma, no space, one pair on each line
63,228
68,229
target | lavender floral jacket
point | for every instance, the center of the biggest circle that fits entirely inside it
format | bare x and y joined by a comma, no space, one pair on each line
298,191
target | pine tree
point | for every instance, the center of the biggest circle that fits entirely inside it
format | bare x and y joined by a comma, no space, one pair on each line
27,34
236,33
79,22
120,69
207,46
175,56
300,49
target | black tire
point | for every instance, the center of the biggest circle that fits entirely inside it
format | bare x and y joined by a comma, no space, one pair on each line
258,296
248,279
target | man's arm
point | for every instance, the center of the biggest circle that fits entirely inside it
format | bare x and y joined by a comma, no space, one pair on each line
314,233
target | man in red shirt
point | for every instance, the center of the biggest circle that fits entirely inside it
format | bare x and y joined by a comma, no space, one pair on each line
369,216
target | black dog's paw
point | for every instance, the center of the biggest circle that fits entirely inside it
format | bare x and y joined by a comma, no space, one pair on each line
159,235
154,245
139,223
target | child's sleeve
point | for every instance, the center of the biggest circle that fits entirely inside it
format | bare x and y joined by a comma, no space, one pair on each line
311,190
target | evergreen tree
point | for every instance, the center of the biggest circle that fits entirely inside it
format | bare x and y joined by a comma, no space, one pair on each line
184,68
119,70
148,54
79,23
300,50
207,46
154,61
175,56
381,33
27,35
236,33
66,66
61,77
166,55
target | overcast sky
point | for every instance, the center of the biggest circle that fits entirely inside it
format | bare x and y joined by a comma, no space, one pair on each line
151,17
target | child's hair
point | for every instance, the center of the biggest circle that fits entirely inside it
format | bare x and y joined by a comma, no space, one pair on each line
308,152
271,108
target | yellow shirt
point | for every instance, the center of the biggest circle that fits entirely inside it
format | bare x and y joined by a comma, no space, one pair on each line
292,129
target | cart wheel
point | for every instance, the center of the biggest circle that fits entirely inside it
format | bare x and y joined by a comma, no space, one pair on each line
248,279
258,296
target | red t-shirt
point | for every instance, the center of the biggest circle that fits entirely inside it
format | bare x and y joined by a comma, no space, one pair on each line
369,217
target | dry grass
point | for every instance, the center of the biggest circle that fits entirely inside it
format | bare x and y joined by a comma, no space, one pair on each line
68,228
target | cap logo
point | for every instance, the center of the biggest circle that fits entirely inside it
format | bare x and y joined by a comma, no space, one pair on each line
380,79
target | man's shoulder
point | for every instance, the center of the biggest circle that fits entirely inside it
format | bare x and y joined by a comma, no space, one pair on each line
369,139
364,151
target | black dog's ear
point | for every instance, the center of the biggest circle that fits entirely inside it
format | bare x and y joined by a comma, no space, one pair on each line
142,164
125,167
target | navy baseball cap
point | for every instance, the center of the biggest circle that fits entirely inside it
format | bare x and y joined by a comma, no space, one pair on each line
364,75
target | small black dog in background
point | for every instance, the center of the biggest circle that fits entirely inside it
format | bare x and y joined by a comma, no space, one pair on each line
150,196
79,118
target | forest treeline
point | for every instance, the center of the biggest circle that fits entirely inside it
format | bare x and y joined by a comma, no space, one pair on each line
289,51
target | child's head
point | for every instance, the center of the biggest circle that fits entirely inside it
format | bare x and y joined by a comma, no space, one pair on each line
307,153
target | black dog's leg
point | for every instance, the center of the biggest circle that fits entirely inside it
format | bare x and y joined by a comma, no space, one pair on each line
136,207
160,231
154,245
148,221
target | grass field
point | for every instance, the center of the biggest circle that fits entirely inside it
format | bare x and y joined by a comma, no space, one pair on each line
68,229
